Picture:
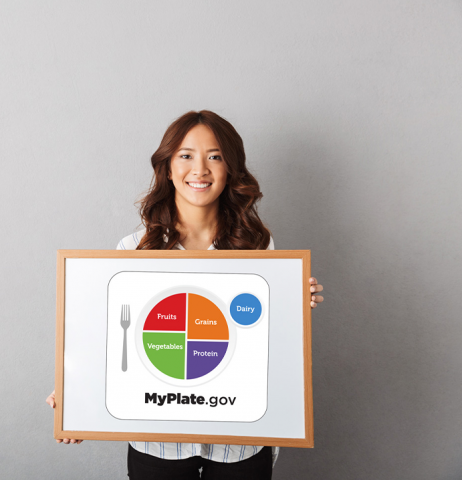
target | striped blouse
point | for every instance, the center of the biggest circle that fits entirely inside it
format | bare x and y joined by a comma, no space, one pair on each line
177,451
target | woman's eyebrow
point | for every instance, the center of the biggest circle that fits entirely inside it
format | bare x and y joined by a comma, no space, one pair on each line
192,149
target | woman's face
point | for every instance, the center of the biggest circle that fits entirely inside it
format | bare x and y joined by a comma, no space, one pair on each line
197,169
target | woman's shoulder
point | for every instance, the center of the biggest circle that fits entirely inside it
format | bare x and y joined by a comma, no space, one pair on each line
130,242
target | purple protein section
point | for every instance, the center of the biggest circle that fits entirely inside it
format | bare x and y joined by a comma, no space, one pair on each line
199,365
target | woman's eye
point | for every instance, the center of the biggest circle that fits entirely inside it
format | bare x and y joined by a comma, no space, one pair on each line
213,156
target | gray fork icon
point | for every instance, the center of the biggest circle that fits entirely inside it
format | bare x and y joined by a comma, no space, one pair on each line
125,323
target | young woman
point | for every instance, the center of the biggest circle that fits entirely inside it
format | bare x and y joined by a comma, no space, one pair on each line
202,197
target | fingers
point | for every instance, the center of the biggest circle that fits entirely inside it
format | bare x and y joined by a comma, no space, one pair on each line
317,298
316,288
51,400
67,441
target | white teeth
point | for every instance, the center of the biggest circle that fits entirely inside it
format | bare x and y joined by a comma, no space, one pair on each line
199,185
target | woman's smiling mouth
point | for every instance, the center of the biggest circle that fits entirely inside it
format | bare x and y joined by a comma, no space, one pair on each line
199,187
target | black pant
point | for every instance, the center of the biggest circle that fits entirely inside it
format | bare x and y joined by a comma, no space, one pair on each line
142,466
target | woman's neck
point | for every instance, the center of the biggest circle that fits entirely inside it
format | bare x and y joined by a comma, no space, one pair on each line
197,225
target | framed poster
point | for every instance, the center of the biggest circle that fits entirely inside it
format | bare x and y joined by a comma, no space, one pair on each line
184,346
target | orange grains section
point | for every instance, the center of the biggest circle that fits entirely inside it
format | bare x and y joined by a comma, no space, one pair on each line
205,320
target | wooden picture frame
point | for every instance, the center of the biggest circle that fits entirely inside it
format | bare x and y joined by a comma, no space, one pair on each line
83,276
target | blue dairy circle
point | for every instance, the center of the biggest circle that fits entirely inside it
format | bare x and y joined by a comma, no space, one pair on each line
245,309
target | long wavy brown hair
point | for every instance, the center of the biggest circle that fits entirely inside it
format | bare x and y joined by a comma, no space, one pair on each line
239,226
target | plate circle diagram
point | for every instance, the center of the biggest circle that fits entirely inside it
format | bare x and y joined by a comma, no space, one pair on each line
183,336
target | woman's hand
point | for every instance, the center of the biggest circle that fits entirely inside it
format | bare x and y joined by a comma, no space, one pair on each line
315,299
51,401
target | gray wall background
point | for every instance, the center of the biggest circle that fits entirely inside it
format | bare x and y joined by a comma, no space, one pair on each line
351,115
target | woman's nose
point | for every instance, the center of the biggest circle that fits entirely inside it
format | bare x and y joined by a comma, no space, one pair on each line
200,167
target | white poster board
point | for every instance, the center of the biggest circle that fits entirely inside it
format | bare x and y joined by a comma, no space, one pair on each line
200,346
